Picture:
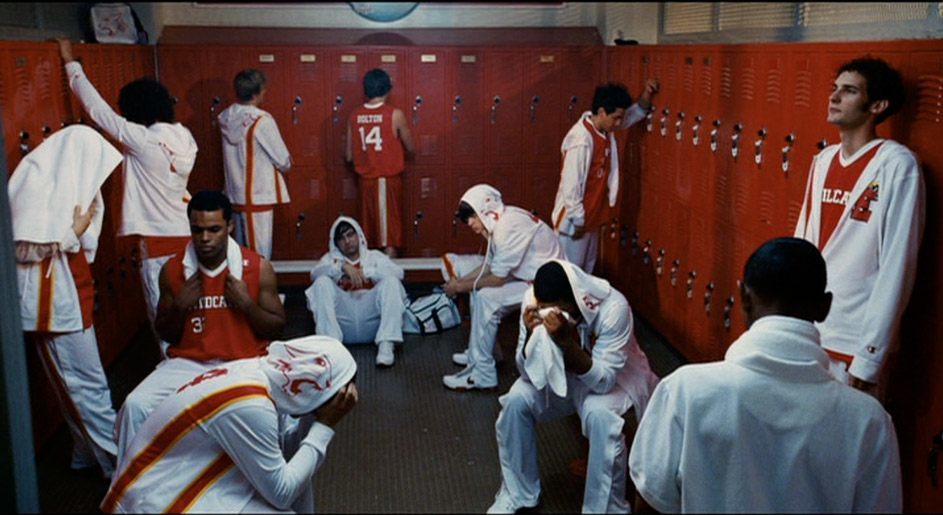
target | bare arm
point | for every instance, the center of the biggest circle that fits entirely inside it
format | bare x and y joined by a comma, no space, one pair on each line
402,130
267,317
467,283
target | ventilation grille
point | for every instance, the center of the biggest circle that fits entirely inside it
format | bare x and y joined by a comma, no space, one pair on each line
688,17
816,14
755,15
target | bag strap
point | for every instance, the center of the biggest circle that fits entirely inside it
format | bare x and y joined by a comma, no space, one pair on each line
436,321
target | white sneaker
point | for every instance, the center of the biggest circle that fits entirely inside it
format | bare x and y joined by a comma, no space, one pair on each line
504,504
465,380
460,358
385,354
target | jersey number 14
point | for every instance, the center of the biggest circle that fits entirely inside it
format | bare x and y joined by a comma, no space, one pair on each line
373,137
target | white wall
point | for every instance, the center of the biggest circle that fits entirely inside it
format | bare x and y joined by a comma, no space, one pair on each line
636,20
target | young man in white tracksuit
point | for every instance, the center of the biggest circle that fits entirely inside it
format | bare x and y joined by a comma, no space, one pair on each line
357,295
518,243
589,178
216,445
576,353
254,159
57,212
768,429
864,210
159,155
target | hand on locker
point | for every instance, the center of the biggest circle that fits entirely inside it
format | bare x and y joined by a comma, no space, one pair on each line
650,90
65,49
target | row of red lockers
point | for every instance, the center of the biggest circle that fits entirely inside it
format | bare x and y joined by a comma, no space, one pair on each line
722,166
35,101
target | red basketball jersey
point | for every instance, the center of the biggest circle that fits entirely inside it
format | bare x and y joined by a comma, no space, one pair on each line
596,192
213,329
377,149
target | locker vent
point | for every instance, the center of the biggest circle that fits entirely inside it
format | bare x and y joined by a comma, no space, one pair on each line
813,14
755,15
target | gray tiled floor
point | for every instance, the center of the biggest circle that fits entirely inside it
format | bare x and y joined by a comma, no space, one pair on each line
411,445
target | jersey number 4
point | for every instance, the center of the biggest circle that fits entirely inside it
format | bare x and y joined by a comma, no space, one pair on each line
373,137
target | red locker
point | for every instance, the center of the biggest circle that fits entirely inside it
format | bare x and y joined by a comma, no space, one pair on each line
425,217
468,119
461,239
543,121
427,106
505,108
306,231
346,92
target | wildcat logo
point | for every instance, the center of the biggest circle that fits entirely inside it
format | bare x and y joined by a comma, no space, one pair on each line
590,302
209,374
861,210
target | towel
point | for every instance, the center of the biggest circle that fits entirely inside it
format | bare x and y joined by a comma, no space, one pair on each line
64,171
306,372
233,260
543,362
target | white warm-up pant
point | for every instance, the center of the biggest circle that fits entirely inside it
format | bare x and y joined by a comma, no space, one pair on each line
75,370
488,307
601,420
169,375
261,231
581,252
150,279
360,316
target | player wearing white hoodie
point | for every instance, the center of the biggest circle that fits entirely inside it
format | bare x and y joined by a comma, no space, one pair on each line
254,159
159,155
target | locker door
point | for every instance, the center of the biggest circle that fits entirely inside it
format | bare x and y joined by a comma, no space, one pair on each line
393,62
918,418
747,102
581,72
31,97
181,72
347,69
505,107
425,217
543,70
468,118
307,135
275,63
426,106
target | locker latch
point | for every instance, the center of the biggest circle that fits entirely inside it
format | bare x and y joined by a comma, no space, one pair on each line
696,130
47,130
821,144
213,105
455,103
613,228
692,275
679,126
735,140
648,120
675,265
419,217
623,236
936,446
338,102
635,238
758,147
571,107
24,147
790,139
660,262
294,110
298,223
728,312
664,121
494,109
716,125
416,105
708,296
533,108
646,253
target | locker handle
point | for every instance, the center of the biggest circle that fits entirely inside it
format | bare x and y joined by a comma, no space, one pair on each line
790,139
338,102
648,120
728,312
298,223
696,130
735,140
216,101
294,110
455,225
679,126
646,254
455,103
692,275
494,109
46,130
571,106
660,262
708,295
716,124
416,106
24,147
758,147
664,121
533,108
419,217
675,265
635,238
822,144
